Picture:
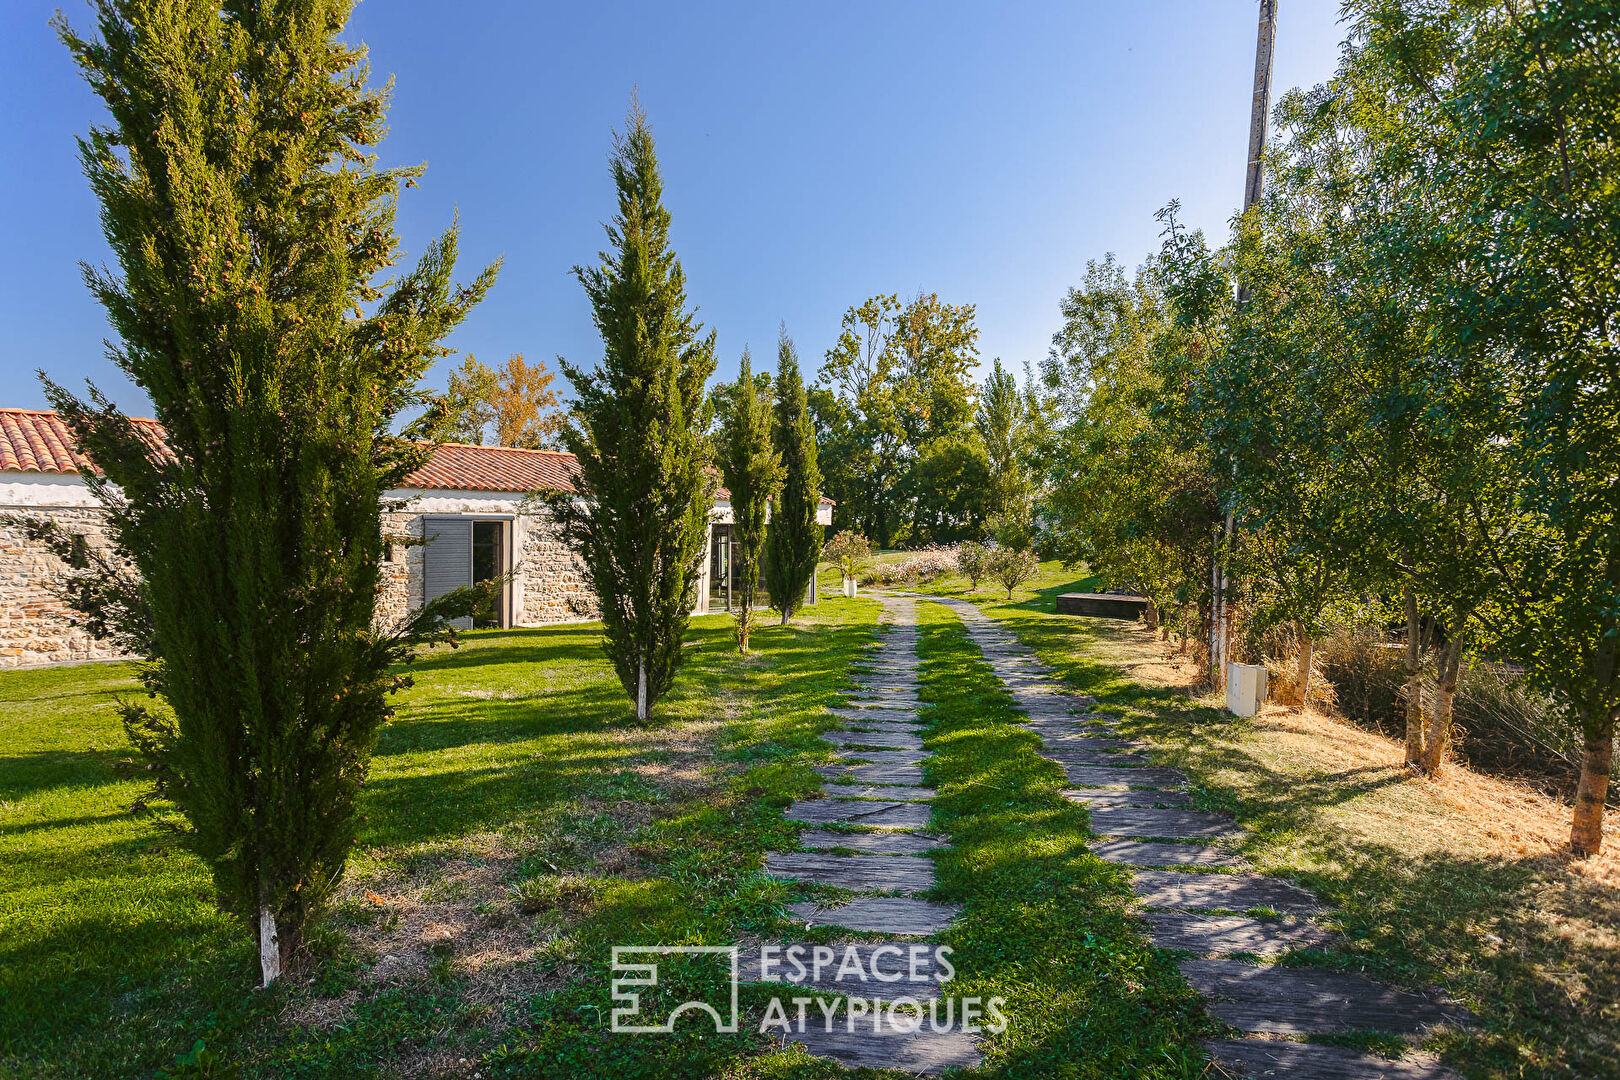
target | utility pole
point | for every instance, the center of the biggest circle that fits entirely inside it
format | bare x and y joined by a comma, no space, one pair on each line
1253,188
1260,113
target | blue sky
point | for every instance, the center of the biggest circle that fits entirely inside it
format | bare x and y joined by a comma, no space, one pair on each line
814,155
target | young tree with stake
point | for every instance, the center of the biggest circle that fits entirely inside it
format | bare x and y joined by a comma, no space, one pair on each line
639,512
249,227
751,469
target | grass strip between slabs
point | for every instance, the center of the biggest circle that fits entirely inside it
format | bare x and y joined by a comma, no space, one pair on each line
1045,924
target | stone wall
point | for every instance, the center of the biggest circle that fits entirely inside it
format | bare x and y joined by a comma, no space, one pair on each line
35,626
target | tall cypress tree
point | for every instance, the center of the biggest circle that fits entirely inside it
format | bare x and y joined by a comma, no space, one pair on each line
751,469
793,544
249,224
640,512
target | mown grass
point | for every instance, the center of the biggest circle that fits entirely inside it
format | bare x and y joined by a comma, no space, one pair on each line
1045,923
1424,894
518,823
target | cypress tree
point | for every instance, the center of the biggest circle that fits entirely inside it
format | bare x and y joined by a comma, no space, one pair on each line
639,514
793,544
751,469
250,227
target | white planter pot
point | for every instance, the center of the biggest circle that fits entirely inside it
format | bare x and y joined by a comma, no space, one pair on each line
851,586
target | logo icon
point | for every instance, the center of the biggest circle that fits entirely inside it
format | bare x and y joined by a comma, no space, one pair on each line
646,974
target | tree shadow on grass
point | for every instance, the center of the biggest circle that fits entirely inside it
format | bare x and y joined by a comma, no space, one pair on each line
23,775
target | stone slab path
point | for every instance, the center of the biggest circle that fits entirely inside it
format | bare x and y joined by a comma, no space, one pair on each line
1207,907
877,783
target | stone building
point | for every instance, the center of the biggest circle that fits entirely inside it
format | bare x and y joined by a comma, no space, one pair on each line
467,502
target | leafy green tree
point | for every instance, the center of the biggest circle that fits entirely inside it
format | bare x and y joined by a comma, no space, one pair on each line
894,392
752,470
1137,500
948,488
251,228
1505,115
640,517
1001,424
793,541
464,410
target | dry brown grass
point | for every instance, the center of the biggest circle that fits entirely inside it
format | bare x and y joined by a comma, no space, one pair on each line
1463,880
1488,815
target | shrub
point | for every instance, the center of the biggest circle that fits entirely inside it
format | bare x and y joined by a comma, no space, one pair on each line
972,559
1501,722
918,567
849,551
1012,567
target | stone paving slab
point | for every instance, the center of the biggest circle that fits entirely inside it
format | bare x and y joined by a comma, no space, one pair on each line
1066,753
1182,824
896,740
1205,934
1303,1001
904,727
875,774
881,915
913,1052
1140,853
895,701
863,873
872,843
1237,892
883,757
1126,776
894,815
870,970
1116,797
870,716
1262,1059
1068,736
889,792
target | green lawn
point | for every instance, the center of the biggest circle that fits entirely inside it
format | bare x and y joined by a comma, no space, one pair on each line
516,824
519,823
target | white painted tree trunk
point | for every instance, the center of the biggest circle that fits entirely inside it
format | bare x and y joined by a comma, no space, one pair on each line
269,946
641,690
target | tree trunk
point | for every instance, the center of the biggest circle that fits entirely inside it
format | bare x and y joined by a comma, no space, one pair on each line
1597,757
641,690
1307,650
1438,734
1414,681
269,947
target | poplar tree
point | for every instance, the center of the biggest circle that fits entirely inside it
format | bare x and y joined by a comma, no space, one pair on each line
751,468
639,512
793,544
249,226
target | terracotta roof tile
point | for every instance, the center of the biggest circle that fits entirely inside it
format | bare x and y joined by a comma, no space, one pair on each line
35,440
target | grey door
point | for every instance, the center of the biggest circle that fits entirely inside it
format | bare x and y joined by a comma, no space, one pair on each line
448,558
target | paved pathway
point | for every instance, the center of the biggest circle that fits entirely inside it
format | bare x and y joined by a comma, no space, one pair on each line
1195,893
870,840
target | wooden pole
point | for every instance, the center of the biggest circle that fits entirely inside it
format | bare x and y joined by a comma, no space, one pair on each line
1253,188
1260,112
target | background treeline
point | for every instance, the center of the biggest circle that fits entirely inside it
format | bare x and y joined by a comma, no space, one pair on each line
1397,382
911,450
